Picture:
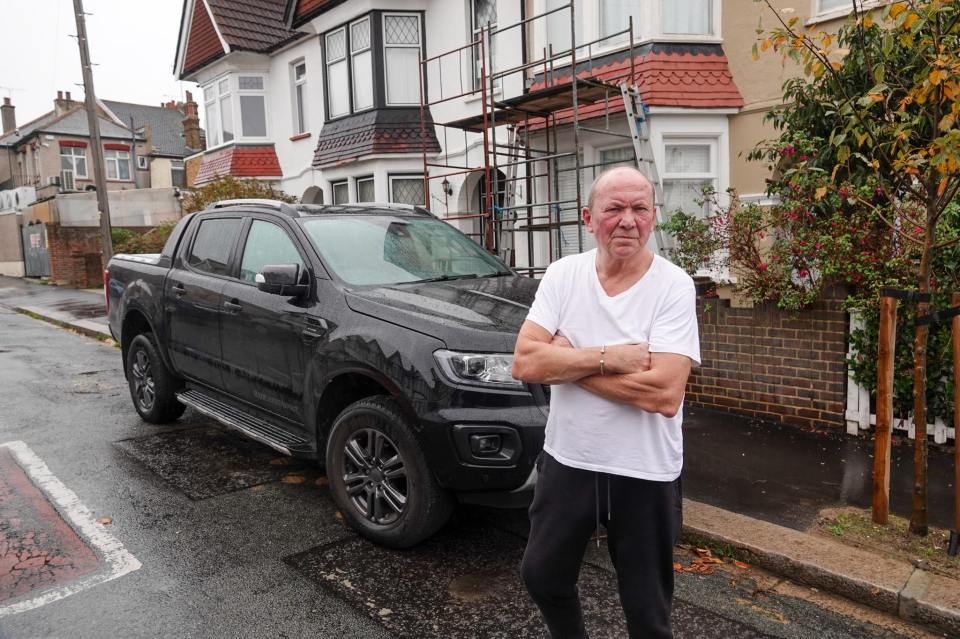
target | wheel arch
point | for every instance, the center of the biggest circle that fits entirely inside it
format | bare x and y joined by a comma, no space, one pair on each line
351,385
135,322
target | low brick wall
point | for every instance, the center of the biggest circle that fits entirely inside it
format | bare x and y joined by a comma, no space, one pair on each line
75,255
772,364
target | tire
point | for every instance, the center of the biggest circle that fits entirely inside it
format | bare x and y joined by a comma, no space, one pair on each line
379,476
152,386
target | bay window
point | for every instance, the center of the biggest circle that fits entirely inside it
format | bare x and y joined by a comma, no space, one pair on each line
244,95
117,163
361,63
687,17
826,6
401,52
338,92
299,97
406,190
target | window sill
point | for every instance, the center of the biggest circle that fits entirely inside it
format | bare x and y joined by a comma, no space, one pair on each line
841,14
300,136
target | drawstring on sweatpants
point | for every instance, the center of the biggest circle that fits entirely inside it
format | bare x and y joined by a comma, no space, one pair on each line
596,490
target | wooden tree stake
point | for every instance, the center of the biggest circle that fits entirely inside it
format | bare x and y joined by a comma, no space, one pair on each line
955,337
881,457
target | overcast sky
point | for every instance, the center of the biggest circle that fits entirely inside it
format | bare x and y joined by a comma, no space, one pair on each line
132,44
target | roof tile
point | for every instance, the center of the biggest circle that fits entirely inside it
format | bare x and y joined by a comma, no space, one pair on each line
239,161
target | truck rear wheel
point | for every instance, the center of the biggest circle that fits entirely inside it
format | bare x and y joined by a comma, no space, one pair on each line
152,386
379,477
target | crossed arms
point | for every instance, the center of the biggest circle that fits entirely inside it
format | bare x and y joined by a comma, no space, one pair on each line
654,382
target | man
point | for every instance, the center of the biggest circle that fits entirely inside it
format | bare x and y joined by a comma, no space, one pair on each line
614,330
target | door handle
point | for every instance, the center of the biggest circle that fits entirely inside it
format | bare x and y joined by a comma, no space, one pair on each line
178,290
232,307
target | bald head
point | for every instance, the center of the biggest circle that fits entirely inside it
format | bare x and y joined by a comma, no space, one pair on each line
605,178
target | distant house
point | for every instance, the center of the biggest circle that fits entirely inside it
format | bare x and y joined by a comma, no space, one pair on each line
51,153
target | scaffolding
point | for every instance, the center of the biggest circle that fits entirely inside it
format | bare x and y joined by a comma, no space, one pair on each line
557,86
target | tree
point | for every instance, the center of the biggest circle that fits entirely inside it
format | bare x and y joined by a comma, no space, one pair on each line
884,98
226,187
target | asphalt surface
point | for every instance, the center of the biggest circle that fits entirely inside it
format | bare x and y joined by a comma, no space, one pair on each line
234,541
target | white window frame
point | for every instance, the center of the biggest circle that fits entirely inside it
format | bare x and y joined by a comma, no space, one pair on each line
298,95
679,140
113,158
238,105
327,63
212,114
418,47
351,54
366,178
476,33
400,176
333,191
228,98
713,21
649,29
73,160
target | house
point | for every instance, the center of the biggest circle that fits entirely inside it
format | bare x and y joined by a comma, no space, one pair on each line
386,100
51,153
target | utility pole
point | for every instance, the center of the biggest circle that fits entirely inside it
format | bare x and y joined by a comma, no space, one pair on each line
93,124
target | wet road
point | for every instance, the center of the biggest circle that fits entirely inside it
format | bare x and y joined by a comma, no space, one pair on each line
231,540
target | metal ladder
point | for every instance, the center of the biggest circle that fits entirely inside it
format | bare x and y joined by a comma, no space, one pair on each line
508,215
637,113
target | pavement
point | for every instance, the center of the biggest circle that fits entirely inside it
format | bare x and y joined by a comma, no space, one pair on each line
755,488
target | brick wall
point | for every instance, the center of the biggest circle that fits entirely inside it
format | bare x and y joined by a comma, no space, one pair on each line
75,257
772,364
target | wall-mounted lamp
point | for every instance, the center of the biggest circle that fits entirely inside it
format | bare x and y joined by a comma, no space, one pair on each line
445,185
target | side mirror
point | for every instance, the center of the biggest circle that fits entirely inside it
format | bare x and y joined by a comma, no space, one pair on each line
282,279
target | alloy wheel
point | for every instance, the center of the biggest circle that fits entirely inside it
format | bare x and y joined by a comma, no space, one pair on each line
375,476
143,385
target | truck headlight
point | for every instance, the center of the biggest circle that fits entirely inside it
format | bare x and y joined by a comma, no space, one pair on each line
479,369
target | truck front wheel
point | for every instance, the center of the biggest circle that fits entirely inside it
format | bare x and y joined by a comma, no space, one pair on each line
379,476
153,387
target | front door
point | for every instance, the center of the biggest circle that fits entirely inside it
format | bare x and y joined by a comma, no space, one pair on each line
193,295
261,333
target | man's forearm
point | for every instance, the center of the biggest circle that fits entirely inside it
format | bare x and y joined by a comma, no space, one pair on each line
549,364
655,391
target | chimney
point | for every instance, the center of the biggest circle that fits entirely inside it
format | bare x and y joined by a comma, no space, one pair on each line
191,125
7,117
63,103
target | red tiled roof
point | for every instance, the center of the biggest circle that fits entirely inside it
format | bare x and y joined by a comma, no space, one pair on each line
240,161
203,45
373,132
252,25
248,25
664,78
305,8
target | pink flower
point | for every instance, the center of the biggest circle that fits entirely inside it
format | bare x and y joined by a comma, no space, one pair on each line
762,267
803,272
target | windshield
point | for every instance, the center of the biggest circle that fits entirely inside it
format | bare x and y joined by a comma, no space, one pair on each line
377,249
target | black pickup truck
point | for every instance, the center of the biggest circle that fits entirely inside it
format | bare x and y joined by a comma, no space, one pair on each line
374,338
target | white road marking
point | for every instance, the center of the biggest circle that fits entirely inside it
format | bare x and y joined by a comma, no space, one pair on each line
109,549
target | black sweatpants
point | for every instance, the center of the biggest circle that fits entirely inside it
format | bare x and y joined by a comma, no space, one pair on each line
644,522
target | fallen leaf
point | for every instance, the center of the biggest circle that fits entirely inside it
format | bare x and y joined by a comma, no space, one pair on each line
280,461
677,566
703,552
105,521
293,479
385,611
338,515
740,564
322,481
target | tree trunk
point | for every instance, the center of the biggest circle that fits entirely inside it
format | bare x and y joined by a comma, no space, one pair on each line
918,515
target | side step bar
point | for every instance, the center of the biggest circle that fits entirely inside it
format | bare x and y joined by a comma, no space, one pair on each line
253,427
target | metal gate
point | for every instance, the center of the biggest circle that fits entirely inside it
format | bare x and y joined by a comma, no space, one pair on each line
36,258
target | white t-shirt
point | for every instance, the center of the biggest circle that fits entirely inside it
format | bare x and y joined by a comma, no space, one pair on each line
590,432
